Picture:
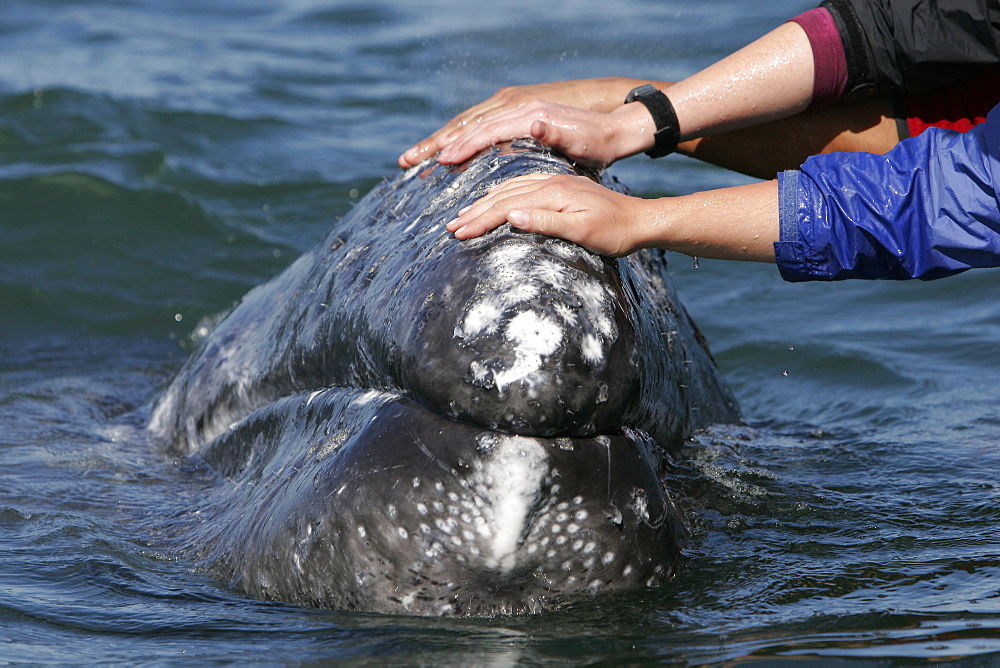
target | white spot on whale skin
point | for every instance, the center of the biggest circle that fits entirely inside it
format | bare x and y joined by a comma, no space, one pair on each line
507,254
640,504
481,317
512,276
511,480
519,293
533,337
592,349
550,272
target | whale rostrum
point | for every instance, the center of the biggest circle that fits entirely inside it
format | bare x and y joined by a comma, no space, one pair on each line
403,423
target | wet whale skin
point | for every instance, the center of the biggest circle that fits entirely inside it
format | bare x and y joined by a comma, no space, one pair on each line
404,423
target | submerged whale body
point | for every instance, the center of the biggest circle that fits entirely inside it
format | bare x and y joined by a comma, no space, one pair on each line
403,423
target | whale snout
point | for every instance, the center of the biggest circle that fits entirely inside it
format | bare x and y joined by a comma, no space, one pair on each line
531,336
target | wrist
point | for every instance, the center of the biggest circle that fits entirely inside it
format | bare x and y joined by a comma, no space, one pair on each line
650,224
609,92
661,110
635,129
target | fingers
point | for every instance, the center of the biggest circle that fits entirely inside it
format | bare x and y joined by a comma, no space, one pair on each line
539,221
458,125
487,131
596,95
494,208
554,125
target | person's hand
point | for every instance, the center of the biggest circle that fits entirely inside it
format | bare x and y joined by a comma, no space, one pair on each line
571,207
590,138
603,95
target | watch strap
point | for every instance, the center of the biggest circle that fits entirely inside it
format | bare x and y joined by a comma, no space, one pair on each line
668,131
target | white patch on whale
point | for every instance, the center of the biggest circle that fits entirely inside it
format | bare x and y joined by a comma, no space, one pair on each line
511,481
514,276
533,337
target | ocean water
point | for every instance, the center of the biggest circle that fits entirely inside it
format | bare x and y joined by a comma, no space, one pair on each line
158,159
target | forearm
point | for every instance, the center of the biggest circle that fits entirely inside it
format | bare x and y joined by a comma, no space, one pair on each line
768,79
737,223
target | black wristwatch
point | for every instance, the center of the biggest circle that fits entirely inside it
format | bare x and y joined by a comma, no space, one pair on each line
668,132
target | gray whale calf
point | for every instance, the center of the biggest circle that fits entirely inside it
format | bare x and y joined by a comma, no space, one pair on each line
403,423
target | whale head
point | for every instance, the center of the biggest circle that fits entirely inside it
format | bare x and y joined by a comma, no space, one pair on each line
403,423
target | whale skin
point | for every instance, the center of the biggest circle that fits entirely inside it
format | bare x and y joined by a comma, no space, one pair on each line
402,423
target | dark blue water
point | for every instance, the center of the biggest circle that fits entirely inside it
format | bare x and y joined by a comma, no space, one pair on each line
158,159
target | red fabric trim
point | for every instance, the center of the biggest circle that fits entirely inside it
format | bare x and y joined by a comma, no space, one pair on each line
960,106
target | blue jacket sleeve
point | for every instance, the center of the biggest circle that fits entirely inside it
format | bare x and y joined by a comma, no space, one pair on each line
926,209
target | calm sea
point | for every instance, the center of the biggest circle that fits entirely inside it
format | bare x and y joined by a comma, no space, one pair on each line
159,158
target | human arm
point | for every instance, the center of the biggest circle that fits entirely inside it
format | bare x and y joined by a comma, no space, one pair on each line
610,223
926,209
857,47
600,95
768,79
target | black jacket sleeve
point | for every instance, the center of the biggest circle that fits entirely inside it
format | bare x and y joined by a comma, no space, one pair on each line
916,45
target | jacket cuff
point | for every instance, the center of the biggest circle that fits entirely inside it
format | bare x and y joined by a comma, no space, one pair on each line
829,60
861,81
793,253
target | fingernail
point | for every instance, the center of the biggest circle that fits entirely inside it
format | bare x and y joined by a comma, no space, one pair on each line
464,209
459,230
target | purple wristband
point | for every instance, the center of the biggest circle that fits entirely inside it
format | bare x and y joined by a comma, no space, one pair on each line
829,60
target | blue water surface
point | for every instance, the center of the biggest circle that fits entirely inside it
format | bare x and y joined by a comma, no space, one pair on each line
158,159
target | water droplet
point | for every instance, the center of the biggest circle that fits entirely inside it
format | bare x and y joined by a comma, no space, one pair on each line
784,373
695,258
